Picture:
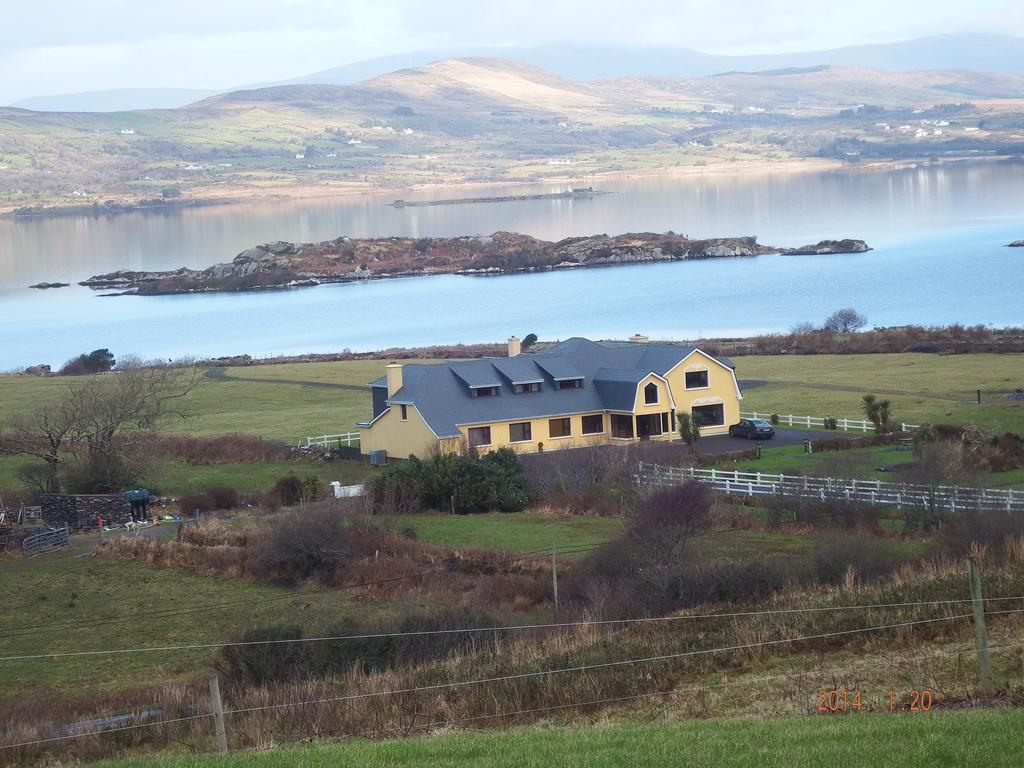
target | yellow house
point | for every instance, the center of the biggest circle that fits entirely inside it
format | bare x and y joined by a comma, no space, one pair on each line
576,393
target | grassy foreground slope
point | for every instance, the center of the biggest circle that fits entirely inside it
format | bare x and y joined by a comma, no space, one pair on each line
973,737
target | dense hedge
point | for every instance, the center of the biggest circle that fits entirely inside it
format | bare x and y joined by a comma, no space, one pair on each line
453,483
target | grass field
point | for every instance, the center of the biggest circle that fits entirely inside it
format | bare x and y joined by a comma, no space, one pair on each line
977,737
516,532
791,459
922,387
174,478
291,401
81,603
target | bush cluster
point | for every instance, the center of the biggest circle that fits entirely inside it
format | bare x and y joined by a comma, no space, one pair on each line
97,361
214,497
452,482
290,489
255,665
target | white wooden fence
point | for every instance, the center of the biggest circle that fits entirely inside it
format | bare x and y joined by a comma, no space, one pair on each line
331,441
953,498
846,425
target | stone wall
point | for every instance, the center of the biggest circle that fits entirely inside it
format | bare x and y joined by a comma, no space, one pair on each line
80,512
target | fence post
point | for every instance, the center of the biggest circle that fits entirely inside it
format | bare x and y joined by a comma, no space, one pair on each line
554,578
218,715
980,630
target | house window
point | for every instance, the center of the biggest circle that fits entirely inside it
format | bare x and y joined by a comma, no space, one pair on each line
651,394
709,415
569,384
484,391
533,386
622,426
520,433
479,436
665,423
560,427
696,379
405,412
593,425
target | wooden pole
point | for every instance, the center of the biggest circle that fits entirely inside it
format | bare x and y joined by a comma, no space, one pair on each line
218,715
980,630
554,578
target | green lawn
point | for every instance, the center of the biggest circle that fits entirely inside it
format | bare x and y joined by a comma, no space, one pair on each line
859,463
285,402
922,387
174,477
515,532
290,401
93,593
989,737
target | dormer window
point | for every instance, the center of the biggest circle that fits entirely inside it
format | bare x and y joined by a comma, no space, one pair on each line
484,392
530,386
569,384
651,394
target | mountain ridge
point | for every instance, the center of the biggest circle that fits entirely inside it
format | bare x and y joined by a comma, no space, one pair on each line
981,52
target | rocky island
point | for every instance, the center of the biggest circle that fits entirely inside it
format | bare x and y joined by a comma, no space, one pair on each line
1016,244
288,265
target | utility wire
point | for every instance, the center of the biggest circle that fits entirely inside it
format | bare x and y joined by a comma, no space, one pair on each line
503,628
602,665
693,689
510,714
166,612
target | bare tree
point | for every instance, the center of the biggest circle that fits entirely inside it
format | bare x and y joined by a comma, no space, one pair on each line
93,428
46,435
847,320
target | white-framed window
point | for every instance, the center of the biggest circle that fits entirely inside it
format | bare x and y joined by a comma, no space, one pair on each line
560,427
651,394
404,412
520,432
593,424
697,380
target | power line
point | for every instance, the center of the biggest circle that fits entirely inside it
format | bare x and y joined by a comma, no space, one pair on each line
694,689
510,714
602,665
166,612
503,628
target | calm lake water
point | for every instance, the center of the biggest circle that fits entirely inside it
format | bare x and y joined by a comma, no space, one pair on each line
938,232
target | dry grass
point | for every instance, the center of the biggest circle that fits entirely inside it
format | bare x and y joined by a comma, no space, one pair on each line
752,681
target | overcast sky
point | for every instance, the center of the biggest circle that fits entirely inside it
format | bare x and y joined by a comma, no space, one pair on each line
63,46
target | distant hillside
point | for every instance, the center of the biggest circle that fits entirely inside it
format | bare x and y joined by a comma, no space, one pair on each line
123,100
497,120
993,53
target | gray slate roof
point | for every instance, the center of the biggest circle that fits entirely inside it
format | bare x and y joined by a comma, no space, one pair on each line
610,372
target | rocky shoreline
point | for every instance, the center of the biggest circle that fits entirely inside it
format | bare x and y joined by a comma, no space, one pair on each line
283,265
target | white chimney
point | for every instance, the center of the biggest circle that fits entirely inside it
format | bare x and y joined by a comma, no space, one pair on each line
394,376
515,346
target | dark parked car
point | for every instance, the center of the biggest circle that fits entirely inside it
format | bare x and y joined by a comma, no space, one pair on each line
753,429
